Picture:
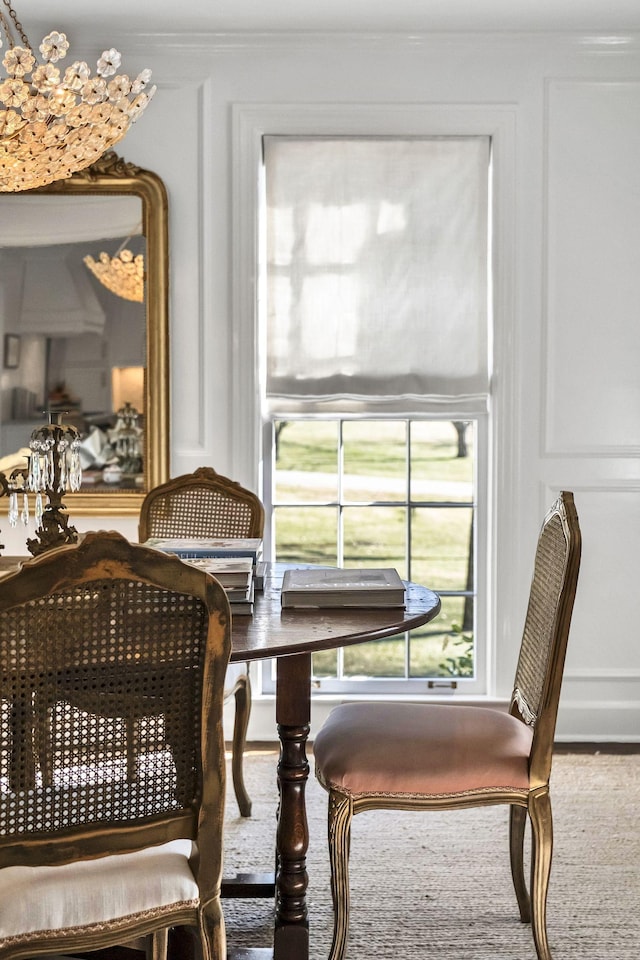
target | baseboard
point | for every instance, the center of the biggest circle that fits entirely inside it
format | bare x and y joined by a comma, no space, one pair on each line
560,746
597,746
590,719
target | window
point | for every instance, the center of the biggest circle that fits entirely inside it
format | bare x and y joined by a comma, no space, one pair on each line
384,493
376,343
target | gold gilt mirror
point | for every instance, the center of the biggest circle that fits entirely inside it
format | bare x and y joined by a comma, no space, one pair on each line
78,344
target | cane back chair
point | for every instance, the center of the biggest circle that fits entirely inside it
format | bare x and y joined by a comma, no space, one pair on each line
91,634
200,505
439,756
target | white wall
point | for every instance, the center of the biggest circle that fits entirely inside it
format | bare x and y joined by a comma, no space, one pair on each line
567,282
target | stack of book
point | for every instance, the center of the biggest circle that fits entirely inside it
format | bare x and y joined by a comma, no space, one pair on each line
233,561
235,574
377,587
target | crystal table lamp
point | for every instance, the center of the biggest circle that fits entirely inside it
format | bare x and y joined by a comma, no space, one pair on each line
126,439
54,468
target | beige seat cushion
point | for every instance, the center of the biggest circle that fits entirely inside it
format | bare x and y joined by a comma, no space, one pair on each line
421,749
80,894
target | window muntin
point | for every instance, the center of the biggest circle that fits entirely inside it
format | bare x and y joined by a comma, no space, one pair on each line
393,492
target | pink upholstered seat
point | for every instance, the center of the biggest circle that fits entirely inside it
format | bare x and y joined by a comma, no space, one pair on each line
417,750
433,756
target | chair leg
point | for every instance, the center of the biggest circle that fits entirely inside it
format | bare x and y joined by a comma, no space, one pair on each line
156,945
517,823
242,694
213,940
339,829
541,854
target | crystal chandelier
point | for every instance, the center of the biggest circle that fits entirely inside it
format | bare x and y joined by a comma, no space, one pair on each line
122,274
51,123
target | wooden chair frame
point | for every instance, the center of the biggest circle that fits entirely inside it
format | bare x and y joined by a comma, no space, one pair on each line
534,704
238,512
104,560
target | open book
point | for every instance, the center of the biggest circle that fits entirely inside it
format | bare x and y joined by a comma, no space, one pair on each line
377,587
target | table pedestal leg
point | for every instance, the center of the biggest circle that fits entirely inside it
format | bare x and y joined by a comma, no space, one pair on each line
293,713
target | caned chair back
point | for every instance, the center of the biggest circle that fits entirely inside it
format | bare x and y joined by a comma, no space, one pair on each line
538,678
91,635
199,505
202,505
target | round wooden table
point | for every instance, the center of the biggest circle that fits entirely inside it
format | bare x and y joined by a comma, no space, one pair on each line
292,636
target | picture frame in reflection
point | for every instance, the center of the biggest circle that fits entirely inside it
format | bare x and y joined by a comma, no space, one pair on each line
11,351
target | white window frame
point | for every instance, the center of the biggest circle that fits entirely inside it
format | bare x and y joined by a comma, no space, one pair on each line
250,122
408,685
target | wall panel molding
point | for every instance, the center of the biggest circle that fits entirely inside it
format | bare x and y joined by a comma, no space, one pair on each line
191,294
589,388
603,721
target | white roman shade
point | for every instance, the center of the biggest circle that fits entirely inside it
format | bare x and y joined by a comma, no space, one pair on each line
377,272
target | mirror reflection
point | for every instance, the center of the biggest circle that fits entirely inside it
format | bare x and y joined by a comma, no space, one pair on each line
72,345
83,328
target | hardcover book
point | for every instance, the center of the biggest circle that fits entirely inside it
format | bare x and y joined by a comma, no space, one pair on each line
242,606
236,572
188,548
376,587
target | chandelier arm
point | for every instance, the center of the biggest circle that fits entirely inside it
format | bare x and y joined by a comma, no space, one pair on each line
6,29
18,26
122,246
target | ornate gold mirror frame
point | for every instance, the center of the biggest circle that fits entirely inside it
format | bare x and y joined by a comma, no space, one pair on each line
112,176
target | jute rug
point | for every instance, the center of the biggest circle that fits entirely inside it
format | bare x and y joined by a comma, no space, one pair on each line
439,884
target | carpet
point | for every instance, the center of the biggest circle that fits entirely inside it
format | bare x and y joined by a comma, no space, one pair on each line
439,884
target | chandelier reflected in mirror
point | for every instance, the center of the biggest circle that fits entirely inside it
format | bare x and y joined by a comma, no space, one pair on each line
122,273
53,123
